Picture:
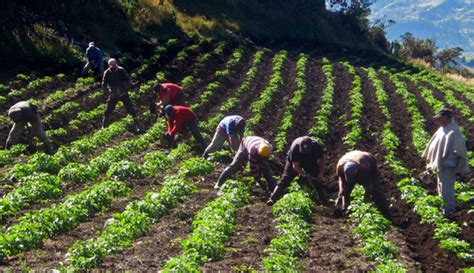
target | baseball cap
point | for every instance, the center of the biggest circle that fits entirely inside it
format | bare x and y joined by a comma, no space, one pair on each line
444,112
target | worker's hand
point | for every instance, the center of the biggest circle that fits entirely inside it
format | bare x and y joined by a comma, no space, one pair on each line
425,174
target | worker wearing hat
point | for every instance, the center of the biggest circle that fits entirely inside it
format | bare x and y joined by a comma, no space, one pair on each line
94,58
360,167
22,114
256,151
182,117
446,154
305,159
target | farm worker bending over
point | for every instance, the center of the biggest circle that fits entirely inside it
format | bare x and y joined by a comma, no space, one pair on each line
94,59
230,128
446,153
116,83
256,151
180,117
168,94
360,167
306,159
21,114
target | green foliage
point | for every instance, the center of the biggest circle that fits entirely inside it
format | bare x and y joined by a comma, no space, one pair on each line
212,226
266,97
287,121
32,228
78,173
125,170
321,127
156,162
196,166
357,104
291,213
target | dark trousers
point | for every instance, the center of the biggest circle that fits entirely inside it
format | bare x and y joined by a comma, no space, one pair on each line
192,125
112,103
289,175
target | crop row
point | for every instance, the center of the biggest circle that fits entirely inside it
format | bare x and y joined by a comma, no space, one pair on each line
65,109
90,253
233,101
428,207
369,224
321,128
138,217
293,105
466,91
212,87
273,86
212,227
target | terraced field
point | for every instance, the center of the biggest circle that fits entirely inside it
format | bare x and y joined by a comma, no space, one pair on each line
109,199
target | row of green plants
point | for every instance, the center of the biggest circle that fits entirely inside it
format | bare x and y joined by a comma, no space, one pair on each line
294,103
427,206
90,253
202,60
138,217
445,83
211,88
117,167
212,227
291,214
293,210
369,225
157,55
436,105
449,96
356,101
38,180
7,156
233,101
321,128
35,84
266,96
33,228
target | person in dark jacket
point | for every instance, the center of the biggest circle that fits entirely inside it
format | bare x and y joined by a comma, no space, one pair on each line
115,84
94,58
305,159
230,128
22,114
360,167
256,151
180,118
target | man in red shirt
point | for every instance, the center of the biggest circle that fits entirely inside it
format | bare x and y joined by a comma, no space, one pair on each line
180,117
167,94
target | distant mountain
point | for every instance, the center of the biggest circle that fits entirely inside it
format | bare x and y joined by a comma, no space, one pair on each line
449,22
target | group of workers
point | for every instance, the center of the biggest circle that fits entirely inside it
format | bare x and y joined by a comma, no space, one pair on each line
446,152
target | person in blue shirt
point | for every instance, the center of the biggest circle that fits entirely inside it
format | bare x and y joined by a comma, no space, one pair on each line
94,58
230,128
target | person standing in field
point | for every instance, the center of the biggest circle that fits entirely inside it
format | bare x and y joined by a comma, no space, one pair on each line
182,117
22,114
230,128
256,151
115,84
305,159
360,167
446,154
94,58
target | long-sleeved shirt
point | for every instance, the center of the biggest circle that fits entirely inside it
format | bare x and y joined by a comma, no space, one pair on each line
250,147
307,160
229,124
94,53
117,80
181,115
169,91
28,111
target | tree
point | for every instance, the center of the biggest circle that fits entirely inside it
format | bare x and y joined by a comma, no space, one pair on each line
449,55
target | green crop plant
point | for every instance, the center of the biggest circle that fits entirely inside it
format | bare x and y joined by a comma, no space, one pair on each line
356,101
294,103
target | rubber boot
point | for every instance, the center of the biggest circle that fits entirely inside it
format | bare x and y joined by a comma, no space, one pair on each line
105,122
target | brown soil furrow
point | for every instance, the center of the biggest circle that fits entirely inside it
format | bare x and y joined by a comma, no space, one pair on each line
332,246
419,237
